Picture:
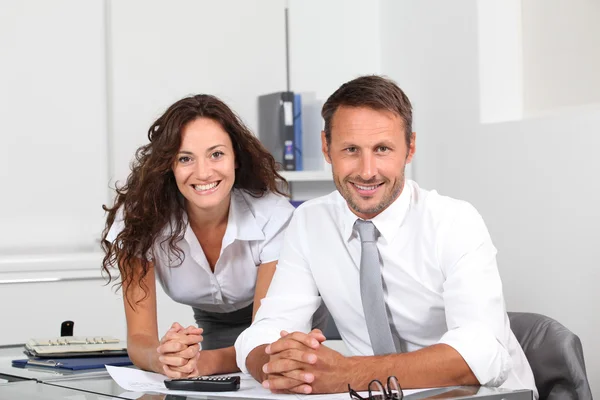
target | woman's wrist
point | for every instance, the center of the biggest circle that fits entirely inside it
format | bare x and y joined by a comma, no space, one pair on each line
154,363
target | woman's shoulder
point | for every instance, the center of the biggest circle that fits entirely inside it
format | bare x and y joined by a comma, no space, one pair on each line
267,206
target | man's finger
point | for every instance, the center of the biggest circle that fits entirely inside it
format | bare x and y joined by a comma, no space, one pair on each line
292,340
300,355
278,382
282,365
300,375
318,334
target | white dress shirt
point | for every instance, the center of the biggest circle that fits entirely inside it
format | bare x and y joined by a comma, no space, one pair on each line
441,283
254,236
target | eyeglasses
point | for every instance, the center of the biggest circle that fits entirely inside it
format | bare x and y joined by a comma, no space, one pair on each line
392,391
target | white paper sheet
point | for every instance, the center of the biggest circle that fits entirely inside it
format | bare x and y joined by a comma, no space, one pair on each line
136,380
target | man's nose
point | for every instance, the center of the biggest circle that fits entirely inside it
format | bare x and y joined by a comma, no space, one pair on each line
368,167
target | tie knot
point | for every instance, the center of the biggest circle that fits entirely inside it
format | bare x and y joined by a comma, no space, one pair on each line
366,231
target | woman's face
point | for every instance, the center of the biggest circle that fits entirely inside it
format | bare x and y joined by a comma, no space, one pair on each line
205,165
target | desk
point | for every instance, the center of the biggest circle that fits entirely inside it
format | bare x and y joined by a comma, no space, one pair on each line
33,390
46,383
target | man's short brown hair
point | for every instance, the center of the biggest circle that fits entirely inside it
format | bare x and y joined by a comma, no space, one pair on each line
373,91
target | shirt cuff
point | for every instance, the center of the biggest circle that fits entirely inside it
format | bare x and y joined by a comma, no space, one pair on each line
247,341
484,354
274,315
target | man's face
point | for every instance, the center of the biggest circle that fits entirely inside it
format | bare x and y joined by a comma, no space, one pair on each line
368,155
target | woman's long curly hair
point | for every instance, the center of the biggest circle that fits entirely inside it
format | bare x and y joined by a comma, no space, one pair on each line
150,199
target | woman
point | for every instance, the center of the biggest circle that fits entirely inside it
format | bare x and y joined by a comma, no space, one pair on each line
202,211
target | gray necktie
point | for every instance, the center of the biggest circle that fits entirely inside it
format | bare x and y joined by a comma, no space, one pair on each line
371,290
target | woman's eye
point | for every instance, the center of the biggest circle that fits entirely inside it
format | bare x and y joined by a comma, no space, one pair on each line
184,159
217,154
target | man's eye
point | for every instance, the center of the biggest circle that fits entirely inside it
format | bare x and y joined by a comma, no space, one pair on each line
351,150
383,149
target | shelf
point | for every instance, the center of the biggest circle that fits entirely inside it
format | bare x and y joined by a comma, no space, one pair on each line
307,176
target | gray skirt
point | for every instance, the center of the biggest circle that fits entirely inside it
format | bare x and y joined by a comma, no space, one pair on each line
222,329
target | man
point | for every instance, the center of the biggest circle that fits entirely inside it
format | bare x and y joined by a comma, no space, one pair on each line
409,276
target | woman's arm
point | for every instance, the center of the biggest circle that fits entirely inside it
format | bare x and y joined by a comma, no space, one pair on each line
222,361
178,348
263,280
142,326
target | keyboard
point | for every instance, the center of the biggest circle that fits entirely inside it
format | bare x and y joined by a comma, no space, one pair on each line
73,346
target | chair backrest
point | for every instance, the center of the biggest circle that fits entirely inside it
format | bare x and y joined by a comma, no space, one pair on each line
329,329
555,355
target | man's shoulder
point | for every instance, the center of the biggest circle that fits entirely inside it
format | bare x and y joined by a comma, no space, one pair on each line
329,203
438,207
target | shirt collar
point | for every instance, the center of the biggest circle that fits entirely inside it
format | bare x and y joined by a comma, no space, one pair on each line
241,222
387,222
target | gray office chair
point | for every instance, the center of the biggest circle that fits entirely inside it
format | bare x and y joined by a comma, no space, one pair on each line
555,355
330,330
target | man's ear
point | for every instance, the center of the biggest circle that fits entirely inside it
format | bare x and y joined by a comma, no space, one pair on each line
325,147
412,148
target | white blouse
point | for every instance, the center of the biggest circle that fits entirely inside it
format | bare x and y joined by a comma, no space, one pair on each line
254,235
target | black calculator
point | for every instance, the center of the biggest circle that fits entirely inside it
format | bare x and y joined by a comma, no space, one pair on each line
205,383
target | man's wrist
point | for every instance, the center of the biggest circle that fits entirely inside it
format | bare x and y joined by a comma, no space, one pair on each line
345,374
351,368
255,361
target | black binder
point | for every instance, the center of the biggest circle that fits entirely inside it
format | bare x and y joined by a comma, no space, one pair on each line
276,127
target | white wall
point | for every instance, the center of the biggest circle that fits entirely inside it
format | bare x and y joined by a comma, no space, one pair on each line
53,143
232,49
560,51
500,60
97,75
534,181
332,42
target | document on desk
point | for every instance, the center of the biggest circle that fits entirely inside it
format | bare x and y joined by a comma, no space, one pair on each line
136,380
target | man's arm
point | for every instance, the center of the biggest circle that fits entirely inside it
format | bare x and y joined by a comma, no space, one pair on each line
330,372
291,301
434,366
478,326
